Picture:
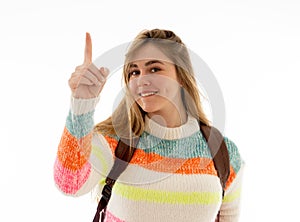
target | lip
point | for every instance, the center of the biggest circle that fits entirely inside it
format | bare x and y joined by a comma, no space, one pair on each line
147,93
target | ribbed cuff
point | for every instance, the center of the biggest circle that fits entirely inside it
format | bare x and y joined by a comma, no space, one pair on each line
82,106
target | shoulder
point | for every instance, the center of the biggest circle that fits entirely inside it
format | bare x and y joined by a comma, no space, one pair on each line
234,155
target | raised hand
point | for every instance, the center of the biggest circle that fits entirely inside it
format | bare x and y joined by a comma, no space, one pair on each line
87,81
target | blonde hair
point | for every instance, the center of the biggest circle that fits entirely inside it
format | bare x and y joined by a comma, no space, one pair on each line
128,118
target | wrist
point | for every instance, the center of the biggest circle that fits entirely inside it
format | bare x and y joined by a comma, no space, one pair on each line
82,106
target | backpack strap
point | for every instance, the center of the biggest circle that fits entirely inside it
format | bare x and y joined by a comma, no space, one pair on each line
124,152
219,153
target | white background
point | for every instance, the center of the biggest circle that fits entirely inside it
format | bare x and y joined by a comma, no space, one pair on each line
252,47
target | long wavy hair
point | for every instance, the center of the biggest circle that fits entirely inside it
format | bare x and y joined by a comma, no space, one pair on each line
128,119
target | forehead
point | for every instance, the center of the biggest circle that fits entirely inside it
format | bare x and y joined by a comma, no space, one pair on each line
148,52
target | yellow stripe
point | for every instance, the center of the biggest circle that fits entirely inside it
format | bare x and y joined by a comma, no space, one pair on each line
96,151
166,197
232,197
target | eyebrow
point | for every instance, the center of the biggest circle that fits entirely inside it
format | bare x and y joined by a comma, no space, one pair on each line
147,63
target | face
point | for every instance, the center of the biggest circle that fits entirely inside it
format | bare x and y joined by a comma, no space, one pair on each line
153,81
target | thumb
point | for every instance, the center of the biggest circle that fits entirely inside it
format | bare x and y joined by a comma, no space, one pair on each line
88,49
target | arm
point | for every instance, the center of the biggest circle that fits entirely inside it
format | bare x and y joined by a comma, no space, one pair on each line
72,168
73,173
230,207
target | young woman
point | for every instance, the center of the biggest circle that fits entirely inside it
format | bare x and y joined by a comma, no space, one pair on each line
171,176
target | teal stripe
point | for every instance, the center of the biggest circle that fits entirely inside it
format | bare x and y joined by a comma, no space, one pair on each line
234,155
194,146
80,125
189,147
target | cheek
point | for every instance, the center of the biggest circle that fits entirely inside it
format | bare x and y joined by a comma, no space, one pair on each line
132,86
168,87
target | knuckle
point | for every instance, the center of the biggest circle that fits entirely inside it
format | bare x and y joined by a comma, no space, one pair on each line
78,67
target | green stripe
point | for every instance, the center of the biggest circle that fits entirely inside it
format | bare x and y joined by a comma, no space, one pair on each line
96,151
232,197
166,197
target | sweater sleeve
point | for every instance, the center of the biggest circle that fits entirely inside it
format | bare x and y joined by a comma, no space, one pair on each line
230,207
72,168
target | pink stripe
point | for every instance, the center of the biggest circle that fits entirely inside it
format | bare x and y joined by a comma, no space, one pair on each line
70,181
109,217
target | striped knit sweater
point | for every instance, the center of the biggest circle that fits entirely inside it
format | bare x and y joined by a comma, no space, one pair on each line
171,176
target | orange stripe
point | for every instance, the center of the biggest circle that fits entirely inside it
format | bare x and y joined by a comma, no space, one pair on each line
73,153
231,177
112,143
198,166
142,158
158,163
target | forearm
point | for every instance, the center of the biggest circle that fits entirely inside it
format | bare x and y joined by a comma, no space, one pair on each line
72,168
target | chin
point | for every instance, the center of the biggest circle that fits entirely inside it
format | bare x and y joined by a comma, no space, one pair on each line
152,106
149,109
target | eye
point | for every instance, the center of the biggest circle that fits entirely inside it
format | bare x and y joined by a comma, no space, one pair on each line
154,69
133,73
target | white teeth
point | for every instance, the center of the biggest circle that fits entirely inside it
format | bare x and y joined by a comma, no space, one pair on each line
147,94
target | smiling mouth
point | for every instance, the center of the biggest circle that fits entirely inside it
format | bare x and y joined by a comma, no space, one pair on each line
146,94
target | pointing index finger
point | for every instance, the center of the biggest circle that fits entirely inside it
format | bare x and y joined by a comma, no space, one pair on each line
88,49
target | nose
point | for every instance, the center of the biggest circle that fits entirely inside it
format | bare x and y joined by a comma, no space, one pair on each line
143,79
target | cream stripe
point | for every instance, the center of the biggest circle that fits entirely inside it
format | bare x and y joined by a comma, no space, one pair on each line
135,174
97,152
82,106
150,211
101,158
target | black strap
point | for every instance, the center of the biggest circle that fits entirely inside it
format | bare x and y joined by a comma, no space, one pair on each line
124,152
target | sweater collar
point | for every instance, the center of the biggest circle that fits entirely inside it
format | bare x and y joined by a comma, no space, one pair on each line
185,130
